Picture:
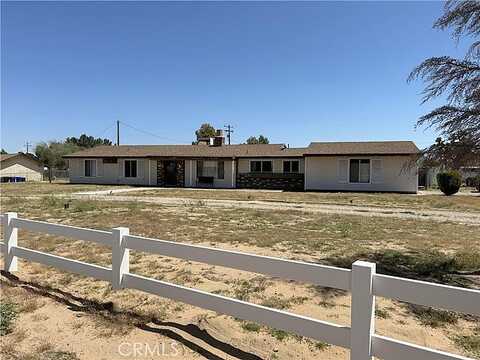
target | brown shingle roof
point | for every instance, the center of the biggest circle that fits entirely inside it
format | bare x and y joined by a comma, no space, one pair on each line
362,148
257,150
4,157
227,151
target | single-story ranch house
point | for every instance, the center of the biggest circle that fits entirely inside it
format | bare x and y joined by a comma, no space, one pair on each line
20,167
322,166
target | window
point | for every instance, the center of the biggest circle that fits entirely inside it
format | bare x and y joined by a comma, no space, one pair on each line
211,168
130,168
291,166
359,170
90,168
221,169
261,166
267,166
255,166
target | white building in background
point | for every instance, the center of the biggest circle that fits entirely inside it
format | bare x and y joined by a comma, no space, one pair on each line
20,167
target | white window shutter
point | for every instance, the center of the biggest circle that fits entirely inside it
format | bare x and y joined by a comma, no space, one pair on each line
377,171
342,171
121,172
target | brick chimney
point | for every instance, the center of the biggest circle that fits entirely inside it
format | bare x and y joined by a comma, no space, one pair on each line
219,139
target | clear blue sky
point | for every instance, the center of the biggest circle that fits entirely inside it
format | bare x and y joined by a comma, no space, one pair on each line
295,72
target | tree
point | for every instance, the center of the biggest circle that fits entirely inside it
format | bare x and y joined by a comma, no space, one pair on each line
205,131
261,140
453,152
85,141
459,79
3,151
51,154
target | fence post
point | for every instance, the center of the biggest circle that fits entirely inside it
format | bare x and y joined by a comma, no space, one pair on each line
10,234
120,256
362,311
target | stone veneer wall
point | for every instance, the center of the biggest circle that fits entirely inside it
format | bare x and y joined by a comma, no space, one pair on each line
180,173
160,173
180,168
289,182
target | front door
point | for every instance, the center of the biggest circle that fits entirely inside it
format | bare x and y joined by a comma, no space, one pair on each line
170,173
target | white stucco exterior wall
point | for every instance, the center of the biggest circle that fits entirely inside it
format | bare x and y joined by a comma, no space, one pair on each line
146,173
321,173
112,173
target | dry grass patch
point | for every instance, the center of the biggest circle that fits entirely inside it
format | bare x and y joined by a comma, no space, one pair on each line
45,188
431,201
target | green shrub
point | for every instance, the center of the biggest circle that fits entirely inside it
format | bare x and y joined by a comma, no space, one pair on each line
280,335
449,182
249,326
8,313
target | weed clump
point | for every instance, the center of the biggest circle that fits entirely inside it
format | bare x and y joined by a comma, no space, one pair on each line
8,314
432,317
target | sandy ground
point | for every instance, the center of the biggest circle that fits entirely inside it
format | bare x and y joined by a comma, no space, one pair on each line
94,328
88,318
390,212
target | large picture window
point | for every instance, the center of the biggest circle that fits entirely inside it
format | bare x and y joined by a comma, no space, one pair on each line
359,170
90,169
130,168
211,168
291,166
261,166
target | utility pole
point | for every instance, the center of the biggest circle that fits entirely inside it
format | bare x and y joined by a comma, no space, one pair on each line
118,132
27,145
229,131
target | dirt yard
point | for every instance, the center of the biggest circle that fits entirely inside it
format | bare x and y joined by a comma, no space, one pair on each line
65,316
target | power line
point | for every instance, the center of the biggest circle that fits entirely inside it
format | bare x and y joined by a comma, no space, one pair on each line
106,129
147,132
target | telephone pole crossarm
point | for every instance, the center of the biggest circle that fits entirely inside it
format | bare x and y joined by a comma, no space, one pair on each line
229,131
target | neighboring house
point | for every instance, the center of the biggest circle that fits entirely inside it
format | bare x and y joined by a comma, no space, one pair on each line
334,166
20,167
469,172
427,177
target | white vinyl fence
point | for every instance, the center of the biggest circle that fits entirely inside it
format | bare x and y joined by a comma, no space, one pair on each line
362,281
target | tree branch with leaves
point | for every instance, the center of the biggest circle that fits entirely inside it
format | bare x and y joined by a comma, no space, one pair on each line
458,121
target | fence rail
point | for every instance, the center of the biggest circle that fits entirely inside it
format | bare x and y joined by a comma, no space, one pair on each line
361,281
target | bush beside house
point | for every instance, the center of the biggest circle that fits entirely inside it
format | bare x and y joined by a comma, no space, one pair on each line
449,182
